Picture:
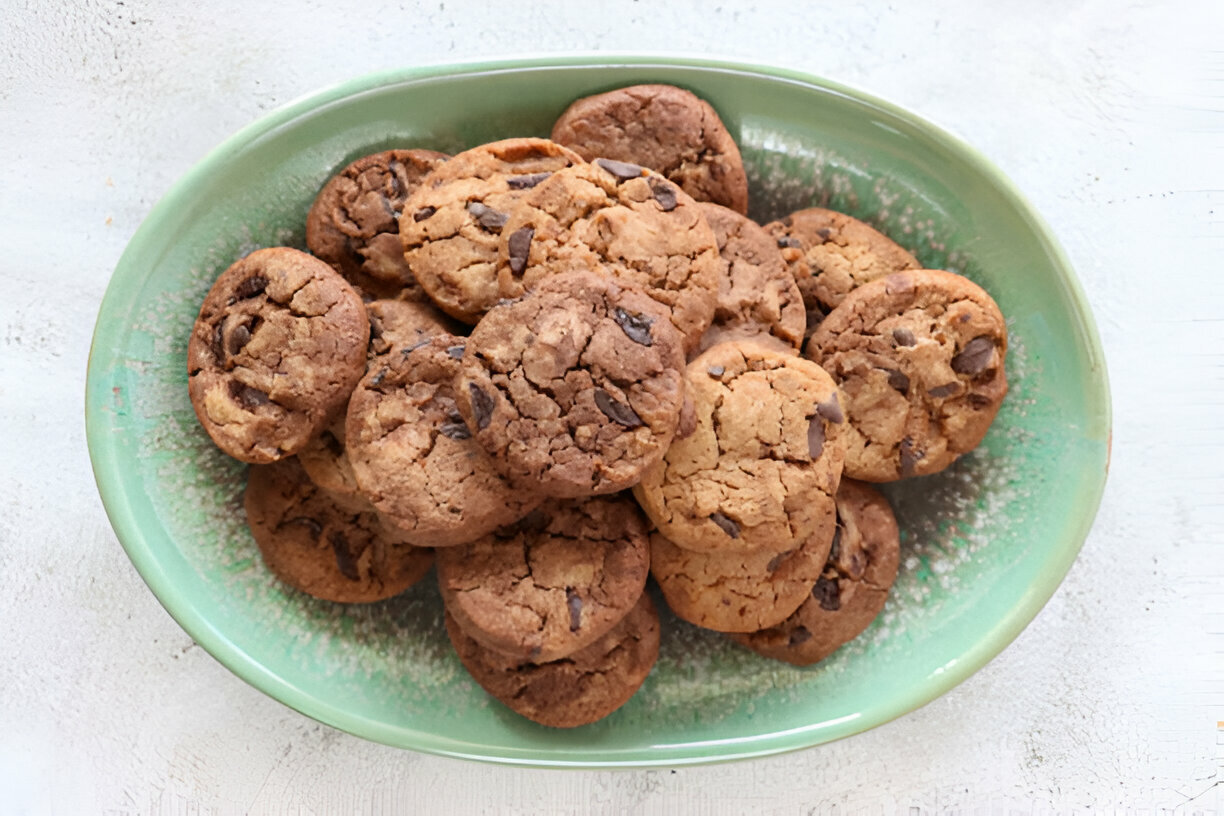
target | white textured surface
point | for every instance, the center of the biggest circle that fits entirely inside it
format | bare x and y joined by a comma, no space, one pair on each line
1109,115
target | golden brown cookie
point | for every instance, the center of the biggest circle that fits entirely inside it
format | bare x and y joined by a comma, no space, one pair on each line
413,456
354,221
830,253
325,548
665,128
853,588
615,218
579,689
919,357
757,294
279,343
760,471
452,224
739,591
553,583
575,389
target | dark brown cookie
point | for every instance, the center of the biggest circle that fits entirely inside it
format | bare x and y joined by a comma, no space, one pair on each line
830,253
760,471
665,128
354,222
394,324
413,456
322,547
919,357
579,689
853,588
757,295
279,343
553,583
619,219
451,226
575,389
739,591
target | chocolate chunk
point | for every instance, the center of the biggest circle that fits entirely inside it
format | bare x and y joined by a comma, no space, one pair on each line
482,406
904,337
423,213
899,381
489,219
816,437
799,635
395,187
218,342
664,193
716,371
909,457
238,338
251,287
315,528
575,608
455,352
622,170
831,410
454,427
974,356
827,594
378,378
406,350
636,326
526,182
345,559
728,526
246,396
979,401
825,233
776,562
617,411
941,391
835,547
787,242
519,247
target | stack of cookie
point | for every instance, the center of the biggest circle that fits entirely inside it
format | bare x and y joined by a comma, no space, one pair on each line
557,367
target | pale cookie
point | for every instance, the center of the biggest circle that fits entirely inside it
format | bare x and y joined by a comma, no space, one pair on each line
850,594
665,128
760,471
279,343
919,357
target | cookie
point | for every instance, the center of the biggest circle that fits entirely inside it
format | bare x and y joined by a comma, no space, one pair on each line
553,583
620,219
853,588
919,357
452,224
757,295
322,547
279,343
760,471
665,128
586,686
413,456
575,389
354,221
830,253
740,591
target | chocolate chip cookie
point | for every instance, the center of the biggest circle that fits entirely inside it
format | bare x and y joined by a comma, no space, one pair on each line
739,591
279,343
413,456
620,219
919,357
757,294
851,592
553,583
581,688
354,222
575,389
760,471
829,253
452,225
323,547
665,128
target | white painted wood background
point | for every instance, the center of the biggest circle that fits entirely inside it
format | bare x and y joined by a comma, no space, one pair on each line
1109,115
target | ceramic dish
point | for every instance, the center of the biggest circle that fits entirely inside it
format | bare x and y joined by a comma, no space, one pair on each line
985,543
